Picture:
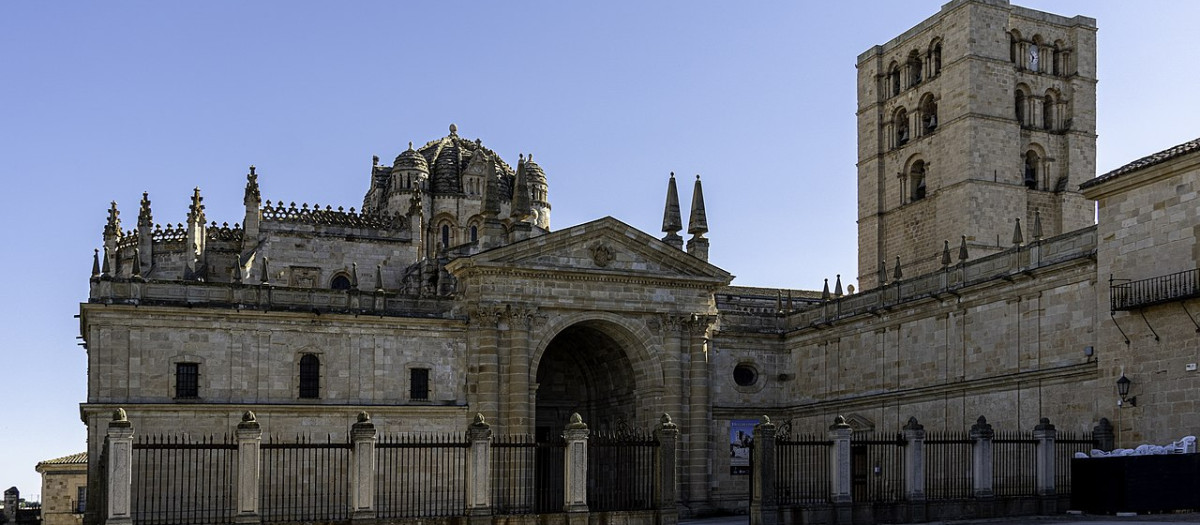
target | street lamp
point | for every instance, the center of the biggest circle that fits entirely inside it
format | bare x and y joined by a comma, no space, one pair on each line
1123,391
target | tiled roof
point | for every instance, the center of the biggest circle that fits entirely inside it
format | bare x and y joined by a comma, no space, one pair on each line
1144,162
77,458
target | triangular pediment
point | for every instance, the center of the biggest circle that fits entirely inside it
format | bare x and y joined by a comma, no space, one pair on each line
604,246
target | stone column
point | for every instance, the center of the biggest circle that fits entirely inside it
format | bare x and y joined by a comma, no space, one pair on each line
839,470
914,469
517,373
665,467
575,471
699,414
249,437
120,469
362,469
981,457
479,473
675,395
483,336
763,507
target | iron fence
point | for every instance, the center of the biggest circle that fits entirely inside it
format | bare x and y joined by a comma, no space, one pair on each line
1014,464
877,468
527,475
179,481
305,481
948,466
802,470
420,476
621,471
1065,447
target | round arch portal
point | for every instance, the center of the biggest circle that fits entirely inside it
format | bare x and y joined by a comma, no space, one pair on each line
595,367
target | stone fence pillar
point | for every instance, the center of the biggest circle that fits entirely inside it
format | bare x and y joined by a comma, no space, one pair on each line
479,479
249,439
665,482
1104,436
575,471
764,509
839,471
362,468
1045,434
914,468
981,457
120,469
839,461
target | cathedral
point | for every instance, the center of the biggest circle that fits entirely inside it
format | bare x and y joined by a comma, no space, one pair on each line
988,254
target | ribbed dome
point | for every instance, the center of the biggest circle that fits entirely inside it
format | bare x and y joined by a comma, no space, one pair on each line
411,158
534,172
447,159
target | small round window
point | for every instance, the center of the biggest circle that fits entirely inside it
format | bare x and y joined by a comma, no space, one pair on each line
745,375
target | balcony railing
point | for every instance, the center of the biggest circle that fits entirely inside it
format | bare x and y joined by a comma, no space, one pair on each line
1155,290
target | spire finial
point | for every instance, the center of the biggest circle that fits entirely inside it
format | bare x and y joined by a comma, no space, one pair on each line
672,221
897,274
453,130
112,228
698,221
825,291
145,220
354,275
378,277
410,143
196,210
945,253
1037,225
1017,238
837,289
962,250
95,263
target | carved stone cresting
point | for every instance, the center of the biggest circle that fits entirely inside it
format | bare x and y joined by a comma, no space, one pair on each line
602,255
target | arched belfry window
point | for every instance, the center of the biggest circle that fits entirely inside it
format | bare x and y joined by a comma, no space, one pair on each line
901,123
935,56
1032,162
1019,101
1048,111
914,68
916,181
929,115
445,236
474,233
310,377
893,79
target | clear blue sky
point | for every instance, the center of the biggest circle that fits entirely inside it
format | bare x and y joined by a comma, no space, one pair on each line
104,100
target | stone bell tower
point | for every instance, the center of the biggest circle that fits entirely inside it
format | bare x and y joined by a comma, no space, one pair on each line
981,115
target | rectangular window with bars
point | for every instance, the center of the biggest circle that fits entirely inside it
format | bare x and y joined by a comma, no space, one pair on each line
80,499
418,384
187,380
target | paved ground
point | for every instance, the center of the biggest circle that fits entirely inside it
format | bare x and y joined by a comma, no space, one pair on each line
1188,518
